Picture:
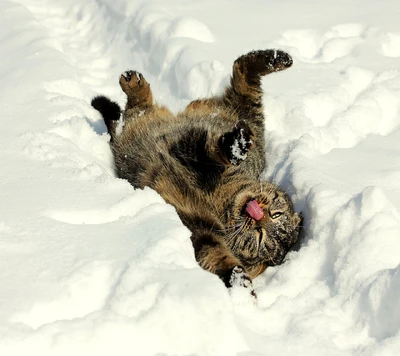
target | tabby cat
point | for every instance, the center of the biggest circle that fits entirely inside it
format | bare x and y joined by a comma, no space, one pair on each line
206,161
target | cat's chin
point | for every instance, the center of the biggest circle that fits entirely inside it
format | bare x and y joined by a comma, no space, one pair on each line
270,256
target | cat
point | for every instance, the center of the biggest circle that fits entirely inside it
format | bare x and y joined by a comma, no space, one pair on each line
206,161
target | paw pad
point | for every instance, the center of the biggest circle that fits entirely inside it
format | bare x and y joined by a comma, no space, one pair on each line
130,74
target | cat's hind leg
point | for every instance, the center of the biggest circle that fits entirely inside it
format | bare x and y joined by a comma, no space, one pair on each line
140,98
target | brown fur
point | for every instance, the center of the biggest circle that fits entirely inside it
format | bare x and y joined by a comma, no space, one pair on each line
206,161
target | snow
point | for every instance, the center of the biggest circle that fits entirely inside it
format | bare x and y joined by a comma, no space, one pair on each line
237,153
90,266
239,148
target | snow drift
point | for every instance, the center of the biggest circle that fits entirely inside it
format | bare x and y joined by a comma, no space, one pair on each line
90,266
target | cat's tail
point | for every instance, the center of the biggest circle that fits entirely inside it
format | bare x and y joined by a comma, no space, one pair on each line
110,111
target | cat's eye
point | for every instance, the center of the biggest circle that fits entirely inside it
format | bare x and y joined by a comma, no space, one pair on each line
276,215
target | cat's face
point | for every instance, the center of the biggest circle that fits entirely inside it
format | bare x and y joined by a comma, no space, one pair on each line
262,225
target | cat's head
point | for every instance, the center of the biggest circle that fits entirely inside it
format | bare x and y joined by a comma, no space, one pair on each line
262,225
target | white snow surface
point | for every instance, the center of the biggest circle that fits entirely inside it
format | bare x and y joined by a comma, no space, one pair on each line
91,266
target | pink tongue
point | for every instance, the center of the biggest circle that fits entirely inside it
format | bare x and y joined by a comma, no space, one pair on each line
254,210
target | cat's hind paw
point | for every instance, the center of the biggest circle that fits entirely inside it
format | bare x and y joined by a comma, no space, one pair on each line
263,62
277,60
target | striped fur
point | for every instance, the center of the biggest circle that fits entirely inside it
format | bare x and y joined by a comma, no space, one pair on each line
206,161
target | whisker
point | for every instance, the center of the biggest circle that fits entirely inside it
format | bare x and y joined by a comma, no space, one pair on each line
274,176
235,233
287,190
236,244
228,228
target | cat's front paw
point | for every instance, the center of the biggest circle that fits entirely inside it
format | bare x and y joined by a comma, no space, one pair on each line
236,144
237,277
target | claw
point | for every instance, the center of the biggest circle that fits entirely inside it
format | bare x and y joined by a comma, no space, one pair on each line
127,75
